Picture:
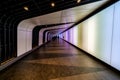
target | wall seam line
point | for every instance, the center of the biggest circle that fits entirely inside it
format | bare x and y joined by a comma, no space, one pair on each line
112,34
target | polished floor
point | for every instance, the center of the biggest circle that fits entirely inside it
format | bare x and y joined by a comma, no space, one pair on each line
58,60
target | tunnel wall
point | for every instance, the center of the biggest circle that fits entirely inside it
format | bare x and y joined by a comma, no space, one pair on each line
24,41
99,35
24,38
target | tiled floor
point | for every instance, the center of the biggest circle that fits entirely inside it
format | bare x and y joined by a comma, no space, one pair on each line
58,60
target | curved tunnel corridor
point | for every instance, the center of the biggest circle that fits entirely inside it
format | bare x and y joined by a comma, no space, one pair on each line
52,42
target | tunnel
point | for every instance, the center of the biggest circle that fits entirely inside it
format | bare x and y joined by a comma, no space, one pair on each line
60,40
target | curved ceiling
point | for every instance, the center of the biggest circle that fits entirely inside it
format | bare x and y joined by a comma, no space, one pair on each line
13,11
63,16
36,7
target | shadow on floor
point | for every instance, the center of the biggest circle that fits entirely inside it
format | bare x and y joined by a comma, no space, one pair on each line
37,71
44,55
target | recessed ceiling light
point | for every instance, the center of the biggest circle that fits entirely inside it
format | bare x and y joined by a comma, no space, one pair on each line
53,4
26,8
78,1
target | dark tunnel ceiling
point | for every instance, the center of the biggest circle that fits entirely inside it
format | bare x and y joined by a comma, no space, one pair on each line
36,7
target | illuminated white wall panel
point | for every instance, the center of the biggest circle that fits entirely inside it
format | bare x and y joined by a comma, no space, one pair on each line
66,36
24,40
70,33
75,35
97,33
29,40
85,36
100,35
79,36
104,34
21,42
90,26
115,61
